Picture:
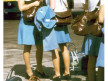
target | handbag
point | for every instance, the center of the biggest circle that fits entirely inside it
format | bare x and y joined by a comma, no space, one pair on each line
88,24
63,17
79,25
28,15
96,28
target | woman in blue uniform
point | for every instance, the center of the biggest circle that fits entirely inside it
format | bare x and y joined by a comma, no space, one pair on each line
28,35
91,46
100,59
63,37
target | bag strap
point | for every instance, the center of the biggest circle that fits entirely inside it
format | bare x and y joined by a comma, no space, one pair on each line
70,4
65,4
86,6
72,44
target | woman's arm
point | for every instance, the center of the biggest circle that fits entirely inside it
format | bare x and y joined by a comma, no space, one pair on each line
22,6
52,4
101,14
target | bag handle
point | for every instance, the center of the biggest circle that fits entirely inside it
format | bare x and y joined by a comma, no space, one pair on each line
72,44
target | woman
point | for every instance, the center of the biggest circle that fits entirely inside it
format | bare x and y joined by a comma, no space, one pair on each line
28,35
100,59
91,46
62,38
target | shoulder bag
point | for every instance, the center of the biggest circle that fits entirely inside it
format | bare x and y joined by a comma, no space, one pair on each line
64,18
79,25
88,24
28,15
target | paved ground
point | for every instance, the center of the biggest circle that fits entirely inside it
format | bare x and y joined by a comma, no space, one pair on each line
13,57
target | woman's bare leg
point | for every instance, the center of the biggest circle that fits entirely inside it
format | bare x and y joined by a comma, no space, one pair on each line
91,68
56,62
66,58
100,74
26,56
39,56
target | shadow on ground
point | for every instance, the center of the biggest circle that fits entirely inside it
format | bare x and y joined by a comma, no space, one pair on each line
20,70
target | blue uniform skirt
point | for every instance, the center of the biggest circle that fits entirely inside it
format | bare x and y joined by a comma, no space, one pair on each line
100,59
62,34
91,45
28,34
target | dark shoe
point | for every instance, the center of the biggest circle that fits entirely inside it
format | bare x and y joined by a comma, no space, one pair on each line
42,75
27,76
57,78
66,77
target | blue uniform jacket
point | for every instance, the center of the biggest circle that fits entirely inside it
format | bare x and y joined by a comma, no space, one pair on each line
45,25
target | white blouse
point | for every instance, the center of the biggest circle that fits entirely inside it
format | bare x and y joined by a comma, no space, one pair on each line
92,4
60,5
102,2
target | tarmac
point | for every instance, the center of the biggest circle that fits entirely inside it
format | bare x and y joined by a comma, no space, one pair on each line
13,53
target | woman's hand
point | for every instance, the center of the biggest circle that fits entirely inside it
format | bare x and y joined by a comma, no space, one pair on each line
22,6
52,4
36,3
